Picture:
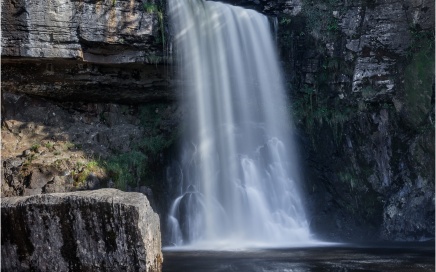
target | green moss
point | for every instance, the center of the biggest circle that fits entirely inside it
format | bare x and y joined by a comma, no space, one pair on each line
349,178
320,20
333,25
135,168
418,81
357,198
49,145
126,169
35,147
83,170
154,144
150,7
313,110
368,92
150,116
72,146
158,10
285,21
92,165
141,164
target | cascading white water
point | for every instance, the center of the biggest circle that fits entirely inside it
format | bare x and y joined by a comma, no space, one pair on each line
239,185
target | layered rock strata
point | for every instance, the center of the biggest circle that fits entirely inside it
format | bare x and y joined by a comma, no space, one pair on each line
94,31
85,50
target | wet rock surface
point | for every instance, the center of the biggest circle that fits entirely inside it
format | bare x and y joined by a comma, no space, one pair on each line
366,132
102,230
268,7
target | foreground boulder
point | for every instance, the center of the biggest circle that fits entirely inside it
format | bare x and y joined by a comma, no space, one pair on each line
102,230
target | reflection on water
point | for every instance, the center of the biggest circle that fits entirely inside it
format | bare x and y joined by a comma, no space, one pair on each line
398,257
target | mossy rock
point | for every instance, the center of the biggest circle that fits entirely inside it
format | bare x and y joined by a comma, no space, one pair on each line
419,87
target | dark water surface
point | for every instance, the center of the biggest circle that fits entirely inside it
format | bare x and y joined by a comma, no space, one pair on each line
343,258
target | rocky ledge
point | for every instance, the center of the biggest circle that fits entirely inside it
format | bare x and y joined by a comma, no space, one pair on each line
107,31
94,51
102,230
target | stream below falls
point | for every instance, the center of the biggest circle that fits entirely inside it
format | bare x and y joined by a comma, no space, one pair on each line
343,258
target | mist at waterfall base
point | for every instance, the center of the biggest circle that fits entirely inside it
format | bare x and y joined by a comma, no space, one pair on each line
238,184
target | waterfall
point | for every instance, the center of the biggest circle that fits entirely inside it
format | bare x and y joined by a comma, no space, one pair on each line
239,173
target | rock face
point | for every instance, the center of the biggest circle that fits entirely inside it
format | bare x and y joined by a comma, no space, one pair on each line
268,7
52,146
85,50
103,230
75,80
361,77
95,31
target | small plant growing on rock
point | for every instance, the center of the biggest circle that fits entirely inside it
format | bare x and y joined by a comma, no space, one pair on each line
349,179
71,146
49,146
150,7
35,147
153,8
83,170
125,169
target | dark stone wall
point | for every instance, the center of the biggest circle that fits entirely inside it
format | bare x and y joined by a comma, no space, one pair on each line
76,80
361,84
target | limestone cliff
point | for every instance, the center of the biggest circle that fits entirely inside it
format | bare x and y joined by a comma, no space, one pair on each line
66,67
94,31
85,50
